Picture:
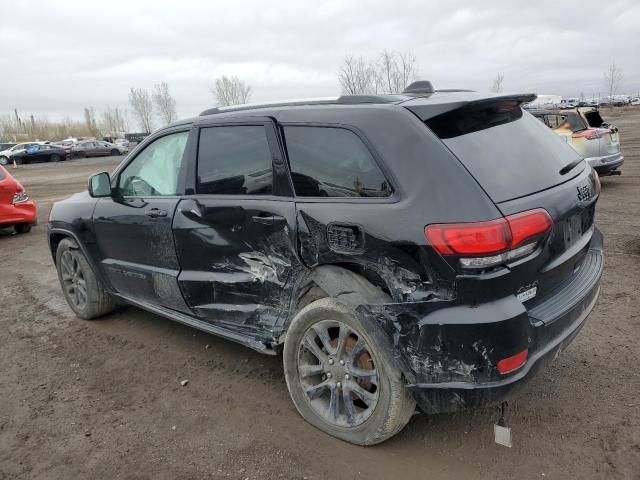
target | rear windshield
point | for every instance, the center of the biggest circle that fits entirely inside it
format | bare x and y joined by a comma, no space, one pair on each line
510,153
594,119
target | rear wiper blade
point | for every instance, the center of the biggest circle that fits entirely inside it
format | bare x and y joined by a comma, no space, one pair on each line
567,168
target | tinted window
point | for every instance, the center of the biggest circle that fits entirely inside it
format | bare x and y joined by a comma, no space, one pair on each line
234,160
514,158
155,170
332,162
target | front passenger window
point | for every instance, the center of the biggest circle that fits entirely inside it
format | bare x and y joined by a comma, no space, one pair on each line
155,170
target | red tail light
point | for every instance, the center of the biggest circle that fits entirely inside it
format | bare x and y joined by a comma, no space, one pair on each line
469,238
514,362
590,133
490,238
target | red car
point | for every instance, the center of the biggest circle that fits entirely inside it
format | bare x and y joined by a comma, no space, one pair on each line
16,208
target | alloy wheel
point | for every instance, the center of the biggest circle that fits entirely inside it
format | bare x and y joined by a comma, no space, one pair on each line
73,280
338,373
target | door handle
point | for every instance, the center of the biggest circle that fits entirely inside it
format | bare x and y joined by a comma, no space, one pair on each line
156,213
268,219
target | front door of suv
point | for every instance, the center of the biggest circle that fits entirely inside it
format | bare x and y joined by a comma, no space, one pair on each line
235,232
133,227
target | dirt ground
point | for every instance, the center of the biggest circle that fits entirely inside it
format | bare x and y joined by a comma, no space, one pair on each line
103,399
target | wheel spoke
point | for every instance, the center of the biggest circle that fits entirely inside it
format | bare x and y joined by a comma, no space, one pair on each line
342,337
317,390
311,345
357,350
324,337
82,295
333,403
367,397
76,267
66,277
66,264
349,409
370,375
310,370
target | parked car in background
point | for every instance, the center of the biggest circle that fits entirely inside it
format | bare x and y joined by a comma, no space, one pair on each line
122,142
588,134
17,210
97,148
635,101
318,229
66,145
6,146
5,155
39,153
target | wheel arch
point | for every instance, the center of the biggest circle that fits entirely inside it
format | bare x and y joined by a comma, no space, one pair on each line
56,235
352,284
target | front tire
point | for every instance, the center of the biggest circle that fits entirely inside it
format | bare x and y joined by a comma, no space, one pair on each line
4,160
83,291
341,377
55,158
115,153
22,228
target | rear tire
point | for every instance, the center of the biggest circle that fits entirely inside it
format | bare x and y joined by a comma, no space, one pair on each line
55,158
361,412
83,291
22,228
115,153
4,160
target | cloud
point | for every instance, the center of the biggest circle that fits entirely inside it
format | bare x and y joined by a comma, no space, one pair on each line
62,56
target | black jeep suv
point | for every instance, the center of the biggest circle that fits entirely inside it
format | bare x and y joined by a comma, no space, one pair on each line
435,248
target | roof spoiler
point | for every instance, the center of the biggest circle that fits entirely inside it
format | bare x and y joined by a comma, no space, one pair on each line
428,110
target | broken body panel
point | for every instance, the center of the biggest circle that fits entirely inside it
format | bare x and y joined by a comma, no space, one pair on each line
241,266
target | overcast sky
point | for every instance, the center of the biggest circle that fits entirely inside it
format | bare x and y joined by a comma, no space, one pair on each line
59,57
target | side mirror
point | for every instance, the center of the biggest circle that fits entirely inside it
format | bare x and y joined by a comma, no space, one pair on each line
100,185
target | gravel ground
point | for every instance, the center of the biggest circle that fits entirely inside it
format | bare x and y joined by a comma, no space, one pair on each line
103,399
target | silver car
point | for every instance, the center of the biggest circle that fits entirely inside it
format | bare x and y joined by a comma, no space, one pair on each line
97,148
584,129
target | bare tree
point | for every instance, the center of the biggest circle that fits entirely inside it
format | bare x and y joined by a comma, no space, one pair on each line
142,106
90,121
164,103
231,91
113,122
613,79
394,71
497,83
356,76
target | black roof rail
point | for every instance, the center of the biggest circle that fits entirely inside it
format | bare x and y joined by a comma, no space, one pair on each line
453,90
342,100
358,99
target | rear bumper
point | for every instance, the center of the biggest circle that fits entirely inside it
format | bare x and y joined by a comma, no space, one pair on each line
449,356
25,212
606,163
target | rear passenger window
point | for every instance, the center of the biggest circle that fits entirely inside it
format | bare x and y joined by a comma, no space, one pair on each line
234,160
332,162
